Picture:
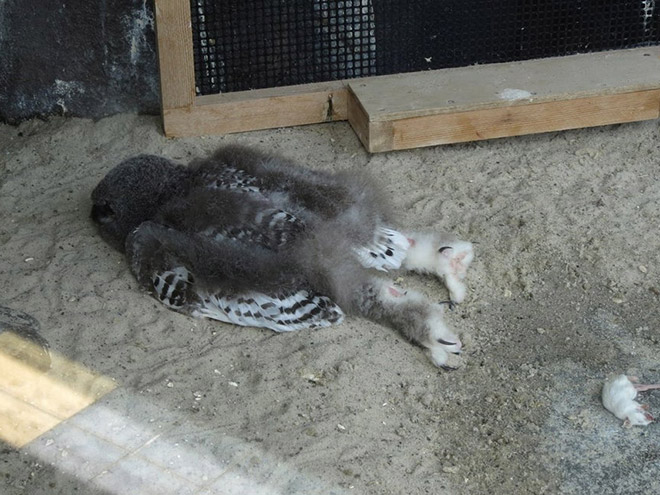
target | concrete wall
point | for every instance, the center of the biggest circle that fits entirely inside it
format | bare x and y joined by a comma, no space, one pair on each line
77,57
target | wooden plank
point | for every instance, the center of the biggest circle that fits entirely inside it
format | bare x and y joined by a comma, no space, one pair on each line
259,109
516,120
460,89
482,102
265,93
358,119
175,53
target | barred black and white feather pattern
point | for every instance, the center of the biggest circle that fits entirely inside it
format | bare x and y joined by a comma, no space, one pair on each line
231,178
243,234
282,313
270,228
171,287
280,226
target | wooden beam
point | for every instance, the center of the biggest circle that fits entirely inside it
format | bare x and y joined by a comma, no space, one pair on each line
175,54
499,100
509,121
359,120
259,109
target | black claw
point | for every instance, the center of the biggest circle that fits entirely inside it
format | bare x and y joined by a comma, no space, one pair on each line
445,342
443,248
448,368
451,304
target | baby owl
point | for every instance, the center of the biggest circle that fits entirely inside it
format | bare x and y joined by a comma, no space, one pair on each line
252,239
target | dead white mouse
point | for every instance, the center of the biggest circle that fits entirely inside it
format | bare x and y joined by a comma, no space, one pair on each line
619,394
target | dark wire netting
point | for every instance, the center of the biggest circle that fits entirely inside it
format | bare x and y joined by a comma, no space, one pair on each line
249,44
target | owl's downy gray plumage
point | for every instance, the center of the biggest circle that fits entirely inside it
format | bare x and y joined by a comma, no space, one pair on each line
251,239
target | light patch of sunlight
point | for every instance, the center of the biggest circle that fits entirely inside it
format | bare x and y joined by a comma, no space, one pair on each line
159,453
163,454
38,390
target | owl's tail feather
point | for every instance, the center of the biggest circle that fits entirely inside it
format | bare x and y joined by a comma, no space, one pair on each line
283,312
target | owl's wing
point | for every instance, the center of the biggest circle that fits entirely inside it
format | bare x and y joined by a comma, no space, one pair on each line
271,228
249,170
229,178
169,263
227,214
350,198
233,170
281,312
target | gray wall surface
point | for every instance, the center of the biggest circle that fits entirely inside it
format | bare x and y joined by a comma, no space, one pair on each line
77,57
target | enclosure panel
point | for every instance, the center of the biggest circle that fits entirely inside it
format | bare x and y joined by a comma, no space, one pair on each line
242,45
416,35
385,111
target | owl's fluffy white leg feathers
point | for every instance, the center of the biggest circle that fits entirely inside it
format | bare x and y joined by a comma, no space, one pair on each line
415,317
445,360
447,259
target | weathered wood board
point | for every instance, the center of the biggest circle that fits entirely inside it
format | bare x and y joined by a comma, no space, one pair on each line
497,100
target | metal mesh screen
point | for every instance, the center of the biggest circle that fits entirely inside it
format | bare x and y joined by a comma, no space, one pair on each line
250,44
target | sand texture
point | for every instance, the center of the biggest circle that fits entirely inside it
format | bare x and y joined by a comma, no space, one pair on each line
564,290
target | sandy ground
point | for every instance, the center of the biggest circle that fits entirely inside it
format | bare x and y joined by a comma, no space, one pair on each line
564,290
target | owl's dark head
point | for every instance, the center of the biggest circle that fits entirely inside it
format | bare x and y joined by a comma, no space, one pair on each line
133,192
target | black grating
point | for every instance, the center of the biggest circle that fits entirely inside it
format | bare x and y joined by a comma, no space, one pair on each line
250,44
